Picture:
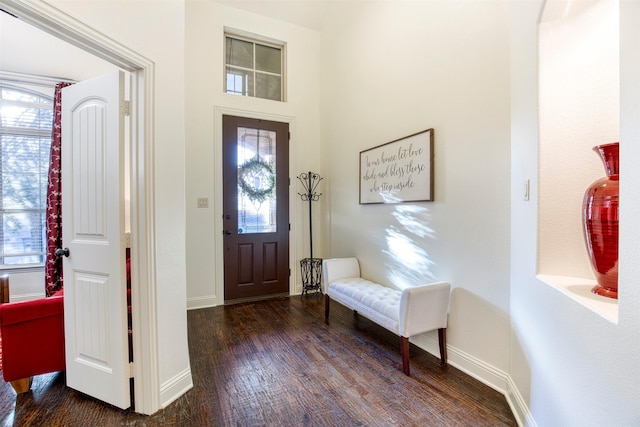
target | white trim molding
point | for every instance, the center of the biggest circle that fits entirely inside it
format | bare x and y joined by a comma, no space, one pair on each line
206,301
471,365
175,387
32,79
518,405
26,297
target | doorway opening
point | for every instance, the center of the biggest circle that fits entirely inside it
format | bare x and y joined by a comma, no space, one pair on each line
143,280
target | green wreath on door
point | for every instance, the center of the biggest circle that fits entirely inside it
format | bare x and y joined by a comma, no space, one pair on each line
257,179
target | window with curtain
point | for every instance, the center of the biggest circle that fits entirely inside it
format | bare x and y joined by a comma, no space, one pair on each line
25,141
254,68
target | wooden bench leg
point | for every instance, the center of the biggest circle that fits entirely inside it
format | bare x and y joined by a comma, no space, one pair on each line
22,385
327,300
442,340
404,352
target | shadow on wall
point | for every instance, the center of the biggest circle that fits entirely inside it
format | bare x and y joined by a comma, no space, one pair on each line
473,310
478,329
408,262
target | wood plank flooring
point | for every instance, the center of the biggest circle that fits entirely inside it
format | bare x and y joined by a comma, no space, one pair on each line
278,363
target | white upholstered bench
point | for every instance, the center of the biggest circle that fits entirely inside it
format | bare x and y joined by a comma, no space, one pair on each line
405,312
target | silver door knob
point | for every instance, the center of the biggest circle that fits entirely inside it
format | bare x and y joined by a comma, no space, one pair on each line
60,251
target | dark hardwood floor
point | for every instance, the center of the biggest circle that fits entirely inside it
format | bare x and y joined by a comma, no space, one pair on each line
278,363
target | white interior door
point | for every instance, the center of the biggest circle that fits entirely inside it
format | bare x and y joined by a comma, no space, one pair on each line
93,230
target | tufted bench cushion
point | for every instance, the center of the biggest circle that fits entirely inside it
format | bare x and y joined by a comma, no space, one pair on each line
376,302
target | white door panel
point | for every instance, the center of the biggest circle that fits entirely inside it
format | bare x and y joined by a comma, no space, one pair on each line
93,229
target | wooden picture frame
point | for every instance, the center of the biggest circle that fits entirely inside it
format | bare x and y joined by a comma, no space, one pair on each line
398,171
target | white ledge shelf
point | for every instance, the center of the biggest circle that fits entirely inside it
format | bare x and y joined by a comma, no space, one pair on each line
579,290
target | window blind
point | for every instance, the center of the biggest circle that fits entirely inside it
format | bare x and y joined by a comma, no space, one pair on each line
25,141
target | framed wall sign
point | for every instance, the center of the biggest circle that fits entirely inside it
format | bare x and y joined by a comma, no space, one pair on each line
398,171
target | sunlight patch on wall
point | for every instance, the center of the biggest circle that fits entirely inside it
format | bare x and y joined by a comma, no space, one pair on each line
408,263
413,219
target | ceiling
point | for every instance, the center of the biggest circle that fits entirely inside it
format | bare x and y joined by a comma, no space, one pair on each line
305,13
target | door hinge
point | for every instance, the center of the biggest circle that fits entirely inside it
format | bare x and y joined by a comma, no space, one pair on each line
289,227
289,135
131,370
289,272
126,108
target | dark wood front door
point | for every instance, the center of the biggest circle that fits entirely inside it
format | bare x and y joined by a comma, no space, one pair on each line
256,207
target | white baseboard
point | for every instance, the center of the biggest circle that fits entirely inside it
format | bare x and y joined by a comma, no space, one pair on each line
519,406
478,369
296,289
202,302
483,372
207,301
25,297
175,387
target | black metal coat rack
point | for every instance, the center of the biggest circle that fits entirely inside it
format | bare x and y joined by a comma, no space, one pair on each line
311,267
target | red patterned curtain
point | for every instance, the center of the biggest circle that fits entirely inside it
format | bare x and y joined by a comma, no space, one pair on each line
53,265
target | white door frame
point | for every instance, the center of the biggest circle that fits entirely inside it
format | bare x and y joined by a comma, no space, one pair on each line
143,245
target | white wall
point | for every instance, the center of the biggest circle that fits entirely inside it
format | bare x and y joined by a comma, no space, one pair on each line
569,365
156,30
206,101
391,69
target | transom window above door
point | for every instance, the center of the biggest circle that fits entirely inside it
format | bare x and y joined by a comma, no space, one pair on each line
254,67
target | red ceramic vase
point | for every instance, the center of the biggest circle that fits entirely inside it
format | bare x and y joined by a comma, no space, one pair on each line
600,217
